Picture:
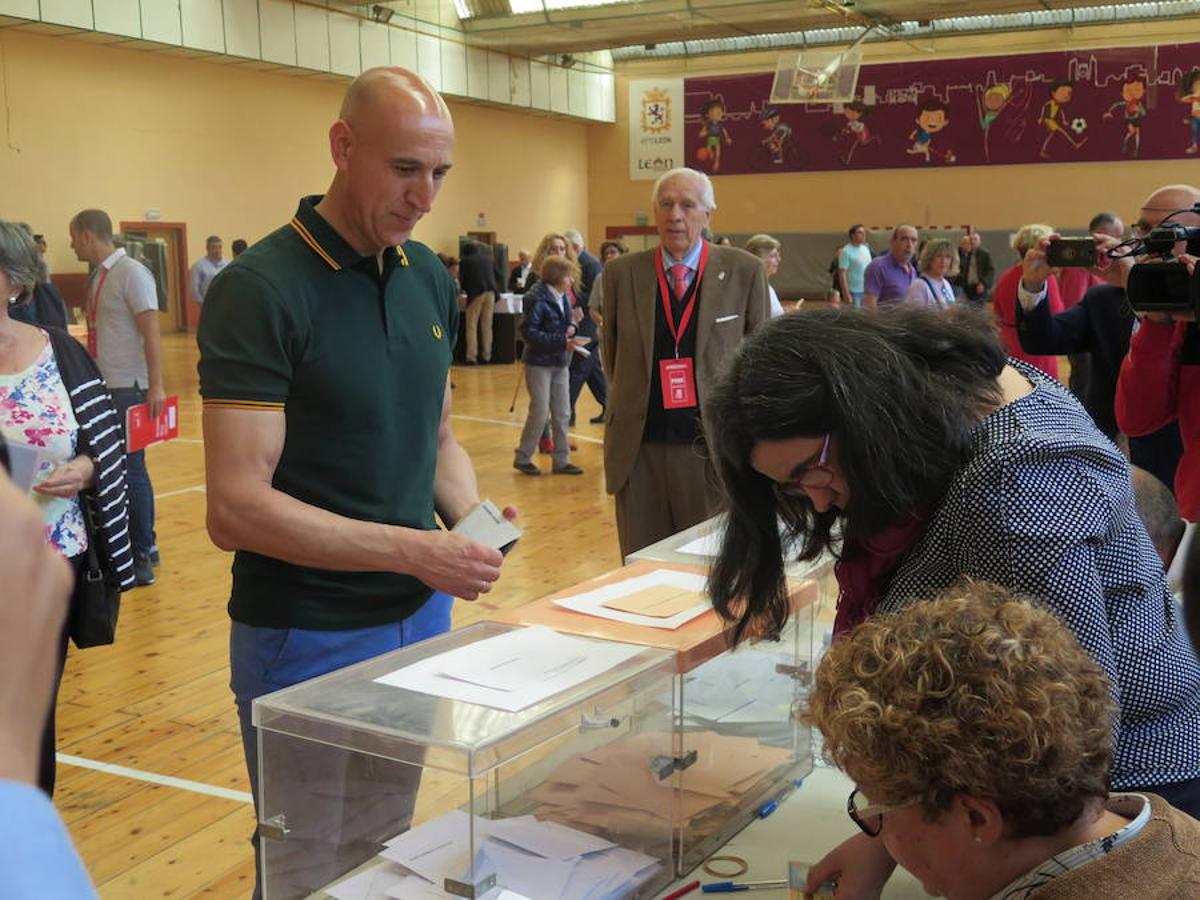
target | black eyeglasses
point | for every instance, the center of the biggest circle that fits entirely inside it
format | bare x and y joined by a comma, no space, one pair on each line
869,818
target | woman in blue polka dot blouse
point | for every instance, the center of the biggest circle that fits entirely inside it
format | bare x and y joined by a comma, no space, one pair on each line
908,444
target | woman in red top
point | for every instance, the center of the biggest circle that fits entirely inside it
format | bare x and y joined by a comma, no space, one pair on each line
1004,300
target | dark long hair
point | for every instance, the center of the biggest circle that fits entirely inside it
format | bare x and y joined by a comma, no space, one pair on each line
900,390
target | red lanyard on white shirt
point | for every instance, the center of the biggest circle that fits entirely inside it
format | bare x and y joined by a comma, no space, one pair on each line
93,305
677,332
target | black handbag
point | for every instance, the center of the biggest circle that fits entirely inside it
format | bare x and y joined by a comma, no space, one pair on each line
97,598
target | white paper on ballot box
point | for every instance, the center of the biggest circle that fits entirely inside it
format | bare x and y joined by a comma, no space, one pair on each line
529,857
382,881
592,602
511,671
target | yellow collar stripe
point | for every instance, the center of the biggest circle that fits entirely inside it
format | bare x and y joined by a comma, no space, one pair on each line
403,256
218,403
312,242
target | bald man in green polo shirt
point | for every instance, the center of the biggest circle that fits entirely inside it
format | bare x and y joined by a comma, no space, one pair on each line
325,353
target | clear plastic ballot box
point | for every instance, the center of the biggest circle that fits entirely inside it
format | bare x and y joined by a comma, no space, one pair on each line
700,544
477,764
739,746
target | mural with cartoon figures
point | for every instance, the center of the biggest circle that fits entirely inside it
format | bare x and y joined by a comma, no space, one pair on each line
1073,106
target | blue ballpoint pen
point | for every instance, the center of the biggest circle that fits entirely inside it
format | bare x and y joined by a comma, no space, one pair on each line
730,887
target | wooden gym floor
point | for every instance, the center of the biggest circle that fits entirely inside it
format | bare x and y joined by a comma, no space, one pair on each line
151,779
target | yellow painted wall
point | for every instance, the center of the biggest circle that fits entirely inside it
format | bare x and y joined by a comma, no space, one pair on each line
229,149
1064,194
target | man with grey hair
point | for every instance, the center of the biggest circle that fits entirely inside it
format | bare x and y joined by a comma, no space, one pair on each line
673,316
205,269
887,278
518,278
123,336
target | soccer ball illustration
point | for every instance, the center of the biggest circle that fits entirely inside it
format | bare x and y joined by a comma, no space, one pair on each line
1079,126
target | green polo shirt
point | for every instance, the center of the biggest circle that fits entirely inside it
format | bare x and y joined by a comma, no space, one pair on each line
357,360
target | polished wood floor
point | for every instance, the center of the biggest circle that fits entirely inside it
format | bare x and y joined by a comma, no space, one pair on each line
147,727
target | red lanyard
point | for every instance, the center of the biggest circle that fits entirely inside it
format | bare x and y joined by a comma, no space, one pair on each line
93,303
666,294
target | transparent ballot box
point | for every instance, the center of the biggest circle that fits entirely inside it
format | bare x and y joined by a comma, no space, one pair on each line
700,544
490,762
739,747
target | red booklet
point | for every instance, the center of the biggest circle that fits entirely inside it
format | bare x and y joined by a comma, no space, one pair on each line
142,431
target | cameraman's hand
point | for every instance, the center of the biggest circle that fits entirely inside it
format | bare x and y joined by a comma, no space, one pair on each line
1111,271
1035,271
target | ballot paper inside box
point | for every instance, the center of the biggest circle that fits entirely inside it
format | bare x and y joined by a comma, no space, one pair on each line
372,789
738,745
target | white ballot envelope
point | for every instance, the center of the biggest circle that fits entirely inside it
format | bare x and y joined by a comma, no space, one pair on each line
487,525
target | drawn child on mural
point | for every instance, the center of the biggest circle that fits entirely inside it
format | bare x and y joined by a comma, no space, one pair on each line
779,134
856,113
1134,110
1189,92
930,120
989,104
1054,117
714,132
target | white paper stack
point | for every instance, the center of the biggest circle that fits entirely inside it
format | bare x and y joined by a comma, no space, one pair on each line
528,857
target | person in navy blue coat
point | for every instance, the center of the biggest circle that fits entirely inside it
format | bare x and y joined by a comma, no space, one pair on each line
550,342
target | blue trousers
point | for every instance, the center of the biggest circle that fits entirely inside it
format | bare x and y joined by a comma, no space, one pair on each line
137,478
322,846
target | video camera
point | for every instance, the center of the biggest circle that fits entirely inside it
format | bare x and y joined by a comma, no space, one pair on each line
1162,284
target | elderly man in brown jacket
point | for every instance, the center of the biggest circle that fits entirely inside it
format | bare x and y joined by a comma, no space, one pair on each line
672,317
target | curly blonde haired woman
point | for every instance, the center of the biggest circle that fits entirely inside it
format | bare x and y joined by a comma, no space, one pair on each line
979,736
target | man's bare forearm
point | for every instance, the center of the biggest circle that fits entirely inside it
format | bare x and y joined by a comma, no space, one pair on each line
269,522
455,489
147,323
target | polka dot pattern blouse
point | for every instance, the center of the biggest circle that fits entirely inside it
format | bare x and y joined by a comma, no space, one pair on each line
1044,506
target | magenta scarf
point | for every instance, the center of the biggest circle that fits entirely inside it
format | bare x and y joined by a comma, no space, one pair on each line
866,568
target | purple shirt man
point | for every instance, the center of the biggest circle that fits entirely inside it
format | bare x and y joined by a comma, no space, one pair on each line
888,277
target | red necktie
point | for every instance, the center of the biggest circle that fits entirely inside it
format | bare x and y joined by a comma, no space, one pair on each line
679,273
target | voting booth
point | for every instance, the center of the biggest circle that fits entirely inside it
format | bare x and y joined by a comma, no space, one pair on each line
739,747
481,763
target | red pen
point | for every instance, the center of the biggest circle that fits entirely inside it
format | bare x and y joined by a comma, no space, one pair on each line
686,889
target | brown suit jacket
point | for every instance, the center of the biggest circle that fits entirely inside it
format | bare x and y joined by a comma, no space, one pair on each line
733,301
